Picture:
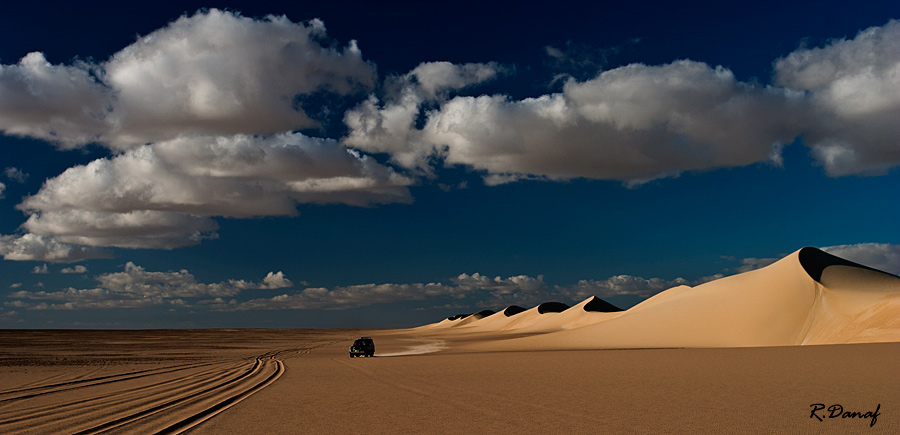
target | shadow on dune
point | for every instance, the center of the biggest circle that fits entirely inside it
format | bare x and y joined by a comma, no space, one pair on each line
814,261
600,306
483,313
512,310
552,307
479,315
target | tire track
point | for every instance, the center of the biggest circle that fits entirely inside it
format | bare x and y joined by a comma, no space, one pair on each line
119,396
62,378
114,404
27,393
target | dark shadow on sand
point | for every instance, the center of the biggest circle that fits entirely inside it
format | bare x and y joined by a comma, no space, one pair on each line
552,307
600,306
814,261
512,310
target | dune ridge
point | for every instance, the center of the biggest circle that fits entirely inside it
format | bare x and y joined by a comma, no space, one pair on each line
807,297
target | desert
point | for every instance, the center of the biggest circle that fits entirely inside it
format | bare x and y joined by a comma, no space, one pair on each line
809,344
283,217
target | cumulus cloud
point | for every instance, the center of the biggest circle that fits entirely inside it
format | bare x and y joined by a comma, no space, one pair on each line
620,285
215,72
640,122
16,174
881,256
67,105
146,229
632,123
2,188
433,80
77,269
748,264
163,195
41,270
520,289
199,109
32,247
390,127
853,88
201,114
467,290
276,280
136,287
340,297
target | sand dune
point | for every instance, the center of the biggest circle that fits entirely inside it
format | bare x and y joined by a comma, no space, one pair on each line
738,367
505,320
808,297
589,311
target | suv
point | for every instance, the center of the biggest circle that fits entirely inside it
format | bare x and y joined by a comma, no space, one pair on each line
363,346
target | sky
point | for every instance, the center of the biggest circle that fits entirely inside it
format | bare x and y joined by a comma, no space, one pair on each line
388,164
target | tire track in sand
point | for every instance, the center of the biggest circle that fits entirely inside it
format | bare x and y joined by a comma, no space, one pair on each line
170,400
91,399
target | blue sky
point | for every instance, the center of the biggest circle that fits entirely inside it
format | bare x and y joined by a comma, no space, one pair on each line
353,164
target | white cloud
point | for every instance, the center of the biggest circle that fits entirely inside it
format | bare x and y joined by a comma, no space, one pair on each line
435,79
632,123
748,264
15,285
66,105
77,269
136,287
2,188
853,88
42,270
390,127
881,256
276,280
145,229
219,73
16,174
488,292
341,297
237,176
502,285
199,109
163,195
215,72
621,285
31,247
638,122
514,290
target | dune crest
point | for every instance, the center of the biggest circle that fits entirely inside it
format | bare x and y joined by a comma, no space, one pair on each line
807,297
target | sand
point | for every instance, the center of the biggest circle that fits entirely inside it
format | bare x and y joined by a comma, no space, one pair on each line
808,297
810,344
170,381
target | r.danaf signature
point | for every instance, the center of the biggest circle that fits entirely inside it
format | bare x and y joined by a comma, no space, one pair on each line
820,413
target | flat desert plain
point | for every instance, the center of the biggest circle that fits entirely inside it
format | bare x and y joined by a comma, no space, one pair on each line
809,344
302,381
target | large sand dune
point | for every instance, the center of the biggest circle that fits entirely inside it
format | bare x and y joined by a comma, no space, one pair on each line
808,297
728,356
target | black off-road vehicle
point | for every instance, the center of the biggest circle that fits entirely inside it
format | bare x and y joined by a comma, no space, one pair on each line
363,346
